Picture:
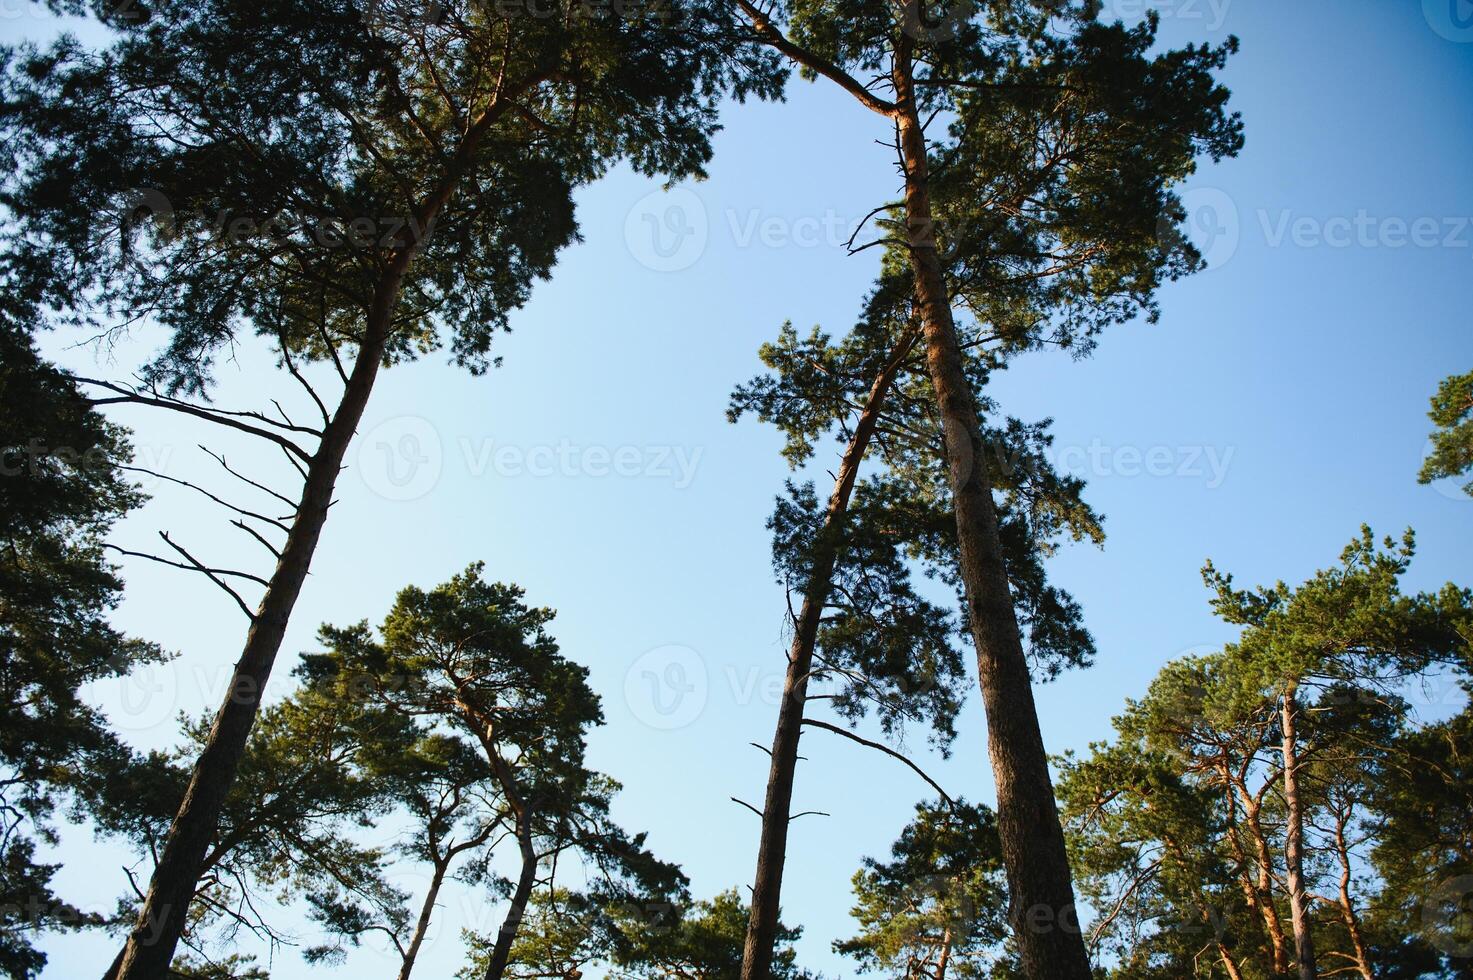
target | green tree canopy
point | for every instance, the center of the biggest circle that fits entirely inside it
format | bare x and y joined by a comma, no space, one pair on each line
62,487
468,662
938,907
353,182
1234,820
1452,441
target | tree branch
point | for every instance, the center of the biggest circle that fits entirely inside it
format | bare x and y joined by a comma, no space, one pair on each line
774,38
245,479
885,749
185,483
748,806
218,416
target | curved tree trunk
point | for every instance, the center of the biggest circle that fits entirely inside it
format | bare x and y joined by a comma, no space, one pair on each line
501,952
149,949
1294,838
772,849
523,814
150,946
422,924
1253,878
1045,922
1347,902
1263,887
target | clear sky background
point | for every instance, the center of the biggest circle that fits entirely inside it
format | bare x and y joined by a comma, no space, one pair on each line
1279,403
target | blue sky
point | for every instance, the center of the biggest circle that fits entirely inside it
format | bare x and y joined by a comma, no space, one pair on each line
1279,403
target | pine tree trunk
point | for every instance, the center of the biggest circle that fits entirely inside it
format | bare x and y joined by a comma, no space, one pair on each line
1228,963
501,952
772,848
422,925
1042,910
1357,937
1278,943
1254,879
1347,902
482,724
149,949
945,959
1294,839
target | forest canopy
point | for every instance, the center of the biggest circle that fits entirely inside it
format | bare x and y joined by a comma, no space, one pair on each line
940,724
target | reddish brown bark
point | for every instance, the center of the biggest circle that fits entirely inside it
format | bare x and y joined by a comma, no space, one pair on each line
1299,917
1043,916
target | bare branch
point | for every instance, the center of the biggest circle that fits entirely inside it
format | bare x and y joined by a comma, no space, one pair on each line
245,479
257,535
879,241
218,416
885,749
332,349
214,575
1140,879
311,392
849,245
747,805
296,465
185,483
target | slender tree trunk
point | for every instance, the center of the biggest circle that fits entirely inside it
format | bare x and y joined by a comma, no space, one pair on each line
501,952
422,925
1042,910
772,848
1257,882
1294,838
149,949
1261,907
945,958
1347,903
1278,942
522,812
